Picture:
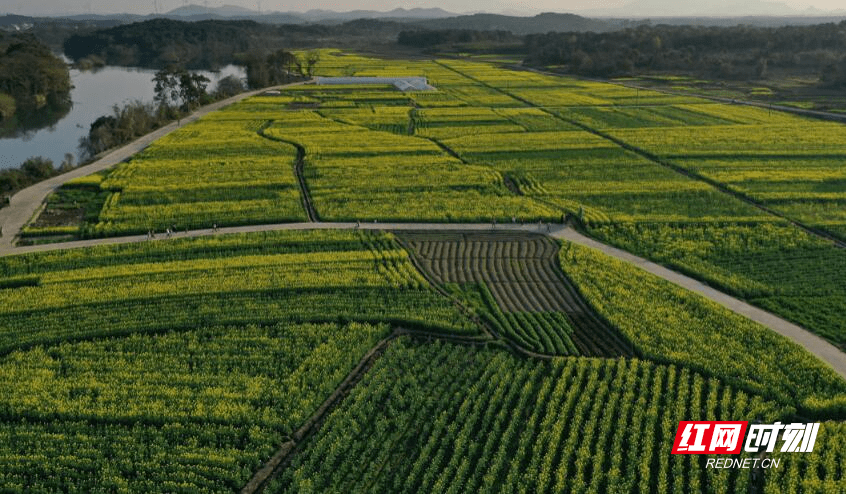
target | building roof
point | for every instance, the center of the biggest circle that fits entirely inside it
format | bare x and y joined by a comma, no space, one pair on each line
401,83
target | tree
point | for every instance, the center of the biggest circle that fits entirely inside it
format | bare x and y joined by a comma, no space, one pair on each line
282,65
192,88
229,86
38,168
761,68
7,106
31,77
277,68
834,75
167,86
67,163
312,58
180,87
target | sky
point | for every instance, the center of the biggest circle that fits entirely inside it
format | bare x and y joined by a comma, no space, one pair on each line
43,7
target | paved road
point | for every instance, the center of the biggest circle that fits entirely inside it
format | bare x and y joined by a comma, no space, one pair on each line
26,202
811,342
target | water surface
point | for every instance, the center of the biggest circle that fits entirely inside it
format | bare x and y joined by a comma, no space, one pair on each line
94,94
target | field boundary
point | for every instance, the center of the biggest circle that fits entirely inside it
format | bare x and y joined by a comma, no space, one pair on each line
816,345
725,189
487,328
662,162
511,302
266,472
299,165
822,115
280,459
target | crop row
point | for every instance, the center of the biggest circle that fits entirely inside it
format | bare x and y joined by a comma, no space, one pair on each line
572,425
214,247
669,324
519,289
196,411
217,171
371,282
822,470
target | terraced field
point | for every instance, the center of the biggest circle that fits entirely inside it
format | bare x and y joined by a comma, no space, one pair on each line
525,293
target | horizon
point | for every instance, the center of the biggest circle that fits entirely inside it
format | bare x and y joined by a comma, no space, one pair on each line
605,8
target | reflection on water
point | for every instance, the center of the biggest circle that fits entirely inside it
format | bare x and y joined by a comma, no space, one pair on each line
95,93
27,122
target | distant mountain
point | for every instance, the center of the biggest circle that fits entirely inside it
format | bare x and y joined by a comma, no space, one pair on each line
416,13
700,8
193,13
198,12
541,23
225,11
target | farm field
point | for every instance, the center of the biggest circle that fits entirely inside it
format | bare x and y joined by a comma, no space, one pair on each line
517,280
415,422
215,171
181,365
430,361
624,198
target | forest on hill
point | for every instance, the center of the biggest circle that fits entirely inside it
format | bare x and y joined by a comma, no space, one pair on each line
724,52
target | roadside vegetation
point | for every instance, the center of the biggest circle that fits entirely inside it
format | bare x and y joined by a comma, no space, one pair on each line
31,171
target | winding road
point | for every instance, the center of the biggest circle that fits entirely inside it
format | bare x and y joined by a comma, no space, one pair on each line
26,202
824,350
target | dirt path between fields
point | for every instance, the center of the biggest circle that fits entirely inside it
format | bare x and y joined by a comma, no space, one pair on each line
313,423
299,166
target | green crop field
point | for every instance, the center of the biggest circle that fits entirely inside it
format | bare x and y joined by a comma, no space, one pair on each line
297,358
442,418
217,171
517,281
181,365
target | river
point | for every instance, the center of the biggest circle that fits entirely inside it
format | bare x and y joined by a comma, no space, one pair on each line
94,94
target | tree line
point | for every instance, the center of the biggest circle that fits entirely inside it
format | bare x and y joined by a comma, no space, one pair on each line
207,45
738,52
426,38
